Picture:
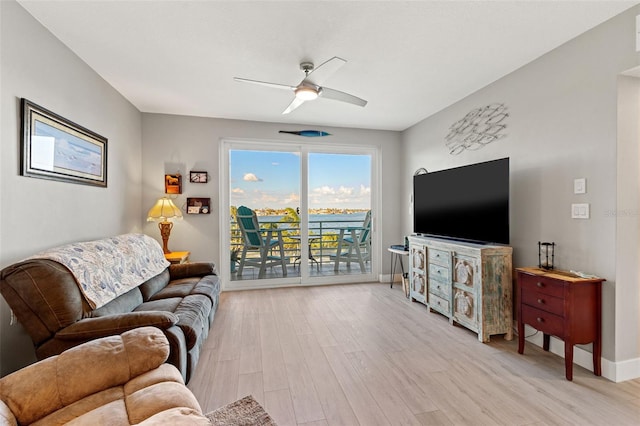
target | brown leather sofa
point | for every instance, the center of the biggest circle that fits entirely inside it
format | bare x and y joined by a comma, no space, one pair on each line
181,301
116,380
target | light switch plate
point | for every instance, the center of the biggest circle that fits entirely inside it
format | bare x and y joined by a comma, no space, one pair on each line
580,211
580,186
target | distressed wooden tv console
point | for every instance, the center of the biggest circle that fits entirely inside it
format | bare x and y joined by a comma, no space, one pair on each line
471,284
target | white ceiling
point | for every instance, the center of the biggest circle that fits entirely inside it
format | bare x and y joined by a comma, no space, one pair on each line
408,59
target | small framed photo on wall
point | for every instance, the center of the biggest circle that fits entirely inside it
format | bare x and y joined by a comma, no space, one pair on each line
173,184
198,205
198,177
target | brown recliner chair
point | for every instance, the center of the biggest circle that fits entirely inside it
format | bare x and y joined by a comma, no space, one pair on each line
117,380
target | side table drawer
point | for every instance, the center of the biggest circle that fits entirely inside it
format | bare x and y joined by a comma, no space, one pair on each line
439,273
439,288
439,256
554,305
439,304
543,321
530,283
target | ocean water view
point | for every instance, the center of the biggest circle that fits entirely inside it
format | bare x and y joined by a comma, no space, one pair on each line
316,221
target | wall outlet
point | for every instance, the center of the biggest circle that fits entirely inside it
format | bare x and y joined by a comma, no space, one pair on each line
580,211
580,186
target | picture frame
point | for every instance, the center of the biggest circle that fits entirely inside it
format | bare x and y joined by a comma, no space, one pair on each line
198,205
55,148
198,177
173,183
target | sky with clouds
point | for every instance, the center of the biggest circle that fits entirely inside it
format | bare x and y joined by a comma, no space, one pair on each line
271,179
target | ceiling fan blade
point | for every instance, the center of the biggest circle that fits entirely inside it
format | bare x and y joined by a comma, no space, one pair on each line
324,71
341,96
264,83
293,105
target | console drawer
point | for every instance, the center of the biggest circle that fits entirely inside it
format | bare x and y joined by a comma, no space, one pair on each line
554,305
440,288
439,273
544,321
439,256
439,304
545,285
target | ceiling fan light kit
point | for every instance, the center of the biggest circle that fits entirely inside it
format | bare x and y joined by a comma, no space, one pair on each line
310,87
306,93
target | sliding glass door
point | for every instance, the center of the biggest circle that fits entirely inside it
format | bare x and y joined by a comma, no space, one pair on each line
339,213
298,214
264,235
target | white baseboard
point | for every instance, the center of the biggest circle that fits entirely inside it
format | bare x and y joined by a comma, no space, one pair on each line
385,278
623,370
614,371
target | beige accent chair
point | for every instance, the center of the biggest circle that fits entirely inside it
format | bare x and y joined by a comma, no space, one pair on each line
116,380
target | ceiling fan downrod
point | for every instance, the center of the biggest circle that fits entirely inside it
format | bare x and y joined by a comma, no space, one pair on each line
307,67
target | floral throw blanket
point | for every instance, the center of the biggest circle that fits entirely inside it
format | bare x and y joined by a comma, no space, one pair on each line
105,269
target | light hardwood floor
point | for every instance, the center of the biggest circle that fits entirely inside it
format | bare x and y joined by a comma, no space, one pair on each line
364,355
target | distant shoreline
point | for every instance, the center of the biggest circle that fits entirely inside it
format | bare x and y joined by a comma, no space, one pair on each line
282,212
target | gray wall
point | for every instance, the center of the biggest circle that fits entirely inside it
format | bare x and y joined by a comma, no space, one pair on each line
36,214
180,144
562,126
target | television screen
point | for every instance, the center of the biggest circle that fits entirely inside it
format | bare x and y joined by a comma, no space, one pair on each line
465,203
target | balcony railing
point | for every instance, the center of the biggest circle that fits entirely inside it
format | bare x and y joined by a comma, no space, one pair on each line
323,237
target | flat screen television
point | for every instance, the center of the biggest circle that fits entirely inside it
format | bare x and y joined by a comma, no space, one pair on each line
469,203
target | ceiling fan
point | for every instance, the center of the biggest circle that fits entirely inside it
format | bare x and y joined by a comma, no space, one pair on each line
310,87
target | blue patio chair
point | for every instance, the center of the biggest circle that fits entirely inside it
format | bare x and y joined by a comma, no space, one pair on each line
357,244
254,240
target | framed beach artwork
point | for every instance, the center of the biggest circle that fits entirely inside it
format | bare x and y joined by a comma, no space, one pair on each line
58,149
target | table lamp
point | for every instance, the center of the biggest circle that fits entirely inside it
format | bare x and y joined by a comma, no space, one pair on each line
162,211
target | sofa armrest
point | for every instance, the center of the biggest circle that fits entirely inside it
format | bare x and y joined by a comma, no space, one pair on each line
109,325
187,270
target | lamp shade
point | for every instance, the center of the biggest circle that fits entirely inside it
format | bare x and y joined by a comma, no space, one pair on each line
164,209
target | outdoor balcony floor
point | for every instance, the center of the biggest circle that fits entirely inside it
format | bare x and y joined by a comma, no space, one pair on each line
325,268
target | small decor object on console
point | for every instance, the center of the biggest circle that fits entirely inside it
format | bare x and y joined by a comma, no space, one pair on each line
198,177
546,255
173,184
